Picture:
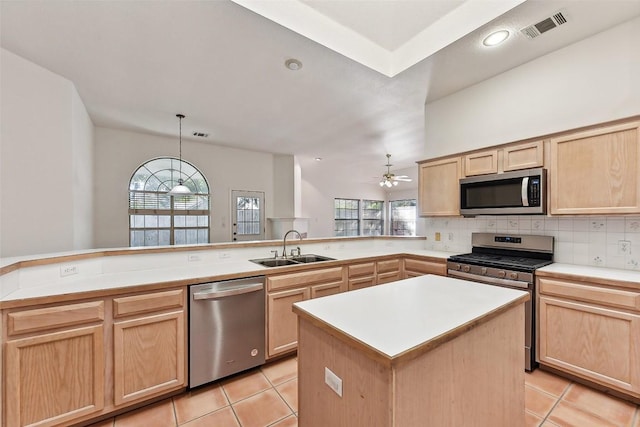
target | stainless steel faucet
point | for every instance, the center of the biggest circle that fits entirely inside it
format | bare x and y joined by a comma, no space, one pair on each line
284,242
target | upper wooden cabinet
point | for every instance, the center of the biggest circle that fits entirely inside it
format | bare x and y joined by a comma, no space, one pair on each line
439,187
481,163
504,159
596,171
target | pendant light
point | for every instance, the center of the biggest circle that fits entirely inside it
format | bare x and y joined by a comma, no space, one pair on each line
180,189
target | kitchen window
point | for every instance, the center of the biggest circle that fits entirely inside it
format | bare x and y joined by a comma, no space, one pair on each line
155,217
346,217
402,217
372,217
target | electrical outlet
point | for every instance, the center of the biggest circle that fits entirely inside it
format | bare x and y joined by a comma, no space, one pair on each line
437,236
68,270
224,255
333,381
194,258
624,247
327,247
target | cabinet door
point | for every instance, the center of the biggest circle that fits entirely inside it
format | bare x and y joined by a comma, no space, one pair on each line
481,163
282,323
523,156
54,378
596,172
439,187
592,342
149,356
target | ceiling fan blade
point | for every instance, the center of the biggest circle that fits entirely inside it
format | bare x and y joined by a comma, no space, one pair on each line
403,179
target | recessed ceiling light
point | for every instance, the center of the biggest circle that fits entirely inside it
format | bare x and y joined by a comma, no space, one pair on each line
318,159
495,38
293,64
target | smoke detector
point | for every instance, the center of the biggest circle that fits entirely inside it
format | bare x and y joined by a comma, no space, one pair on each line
547,24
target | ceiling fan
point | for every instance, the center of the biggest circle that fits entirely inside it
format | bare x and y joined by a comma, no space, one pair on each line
389,179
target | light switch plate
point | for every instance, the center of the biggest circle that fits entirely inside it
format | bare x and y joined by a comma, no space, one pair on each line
333,381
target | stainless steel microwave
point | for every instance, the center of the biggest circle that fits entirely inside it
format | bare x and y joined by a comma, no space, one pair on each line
522,192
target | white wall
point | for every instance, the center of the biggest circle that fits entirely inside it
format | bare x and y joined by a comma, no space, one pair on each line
45,162
320,187
591,81
119,153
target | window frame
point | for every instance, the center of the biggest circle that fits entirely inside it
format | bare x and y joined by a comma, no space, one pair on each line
392,228
364,220
345,220
148,199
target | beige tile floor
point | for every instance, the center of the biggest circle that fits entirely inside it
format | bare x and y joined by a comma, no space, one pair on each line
267,396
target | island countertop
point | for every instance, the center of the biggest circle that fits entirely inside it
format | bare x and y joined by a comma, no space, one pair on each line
405,318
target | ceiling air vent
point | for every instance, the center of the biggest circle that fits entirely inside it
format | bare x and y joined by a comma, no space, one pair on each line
533,31
200,134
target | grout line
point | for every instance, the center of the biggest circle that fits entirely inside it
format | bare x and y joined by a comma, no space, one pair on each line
557,402
175,416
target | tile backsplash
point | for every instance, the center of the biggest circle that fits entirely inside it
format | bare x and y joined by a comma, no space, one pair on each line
612,242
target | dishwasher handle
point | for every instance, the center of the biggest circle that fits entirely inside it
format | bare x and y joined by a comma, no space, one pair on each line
232,291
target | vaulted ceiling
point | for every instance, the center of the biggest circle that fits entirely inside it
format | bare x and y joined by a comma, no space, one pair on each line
368,67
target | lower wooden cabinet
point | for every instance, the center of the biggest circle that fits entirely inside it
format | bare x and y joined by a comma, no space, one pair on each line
148,356
388,271
282,323
361,275
54,378
579,333
419,267
286,289
68,363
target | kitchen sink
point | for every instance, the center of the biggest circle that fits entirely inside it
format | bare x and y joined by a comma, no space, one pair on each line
274,262
300,259
311,258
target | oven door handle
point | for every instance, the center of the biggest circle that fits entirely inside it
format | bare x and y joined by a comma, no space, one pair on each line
489,280
524,191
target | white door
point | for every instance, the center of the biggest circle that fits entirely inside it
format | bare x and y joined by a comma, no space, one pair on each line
248,215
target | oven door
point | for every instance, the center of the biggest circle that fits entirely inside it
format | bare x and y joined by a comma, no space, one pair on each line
529,354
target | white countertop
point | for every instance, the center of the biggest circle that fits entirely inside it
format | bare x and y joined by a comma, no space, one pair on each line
592,272
398,316
116,272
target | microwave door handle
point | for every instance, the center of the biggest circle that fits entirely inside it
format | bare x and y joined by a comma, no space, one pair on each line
524,192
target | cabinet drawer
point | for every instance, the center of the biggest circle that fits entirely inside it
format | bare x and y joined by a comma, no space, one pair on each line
424,267
54,317
318,291
602,296
361,282
364,269
333,274
387,266
157,301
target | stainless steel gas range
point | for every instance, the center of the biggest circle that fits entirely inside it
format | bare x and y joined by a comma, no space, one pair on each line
510,261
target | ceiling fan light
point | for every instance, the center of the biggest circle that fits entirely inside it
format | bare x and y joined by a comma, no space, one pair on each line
381,183
388,184
395,182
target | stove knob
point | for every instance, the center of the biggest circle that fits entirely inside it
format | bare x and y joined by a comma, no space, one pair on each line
466,268
483,270
457,267
501,274
513,275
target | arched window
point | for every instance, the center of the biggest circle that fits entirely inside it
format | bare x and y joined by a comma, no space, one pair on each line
157,218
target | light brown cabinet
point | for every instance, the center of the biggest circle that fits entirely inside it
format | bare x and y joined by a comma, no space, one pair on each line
419,267
149,345
596,171
388,271
361,275
590,331
504,159
439,187
56,374
71,362
285,290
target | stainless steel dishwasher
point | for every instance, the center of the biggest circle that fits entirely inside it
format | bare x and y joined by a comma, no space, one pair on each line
226,328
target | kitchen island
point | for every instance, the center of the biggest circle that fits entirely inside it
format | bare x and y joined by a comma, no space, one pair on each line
426,351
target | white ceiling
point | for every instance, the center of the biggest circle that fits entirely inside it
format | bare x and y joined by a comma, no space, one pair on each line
138,63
